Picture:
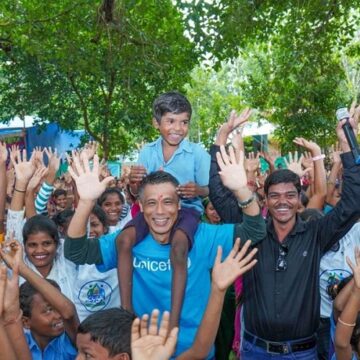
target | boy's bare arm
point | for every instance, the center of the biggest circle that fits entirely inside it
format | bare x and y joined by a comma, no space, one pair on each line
89,189
7,348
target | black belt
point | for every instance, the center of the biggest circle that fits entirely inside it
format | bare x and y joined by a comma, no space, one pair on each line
281,347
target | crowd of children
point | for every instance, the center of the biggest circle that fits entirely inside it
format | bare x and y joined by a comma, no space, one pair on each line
88,258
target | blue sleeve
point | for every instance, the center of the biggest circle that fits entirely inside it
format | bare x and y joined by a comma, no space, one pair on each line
209,237
144,158
202,166
108,252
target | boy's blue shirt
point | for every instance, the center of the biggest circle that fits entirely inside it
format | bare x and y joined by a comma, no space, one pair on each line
152,275
189,163
60,348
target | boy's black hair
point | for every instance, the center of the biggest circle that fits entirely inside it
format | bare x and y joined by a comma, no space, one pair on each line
26,296
63,217
155,178
282,176
59,192
111,328
40,223
101,215
171,102
109,191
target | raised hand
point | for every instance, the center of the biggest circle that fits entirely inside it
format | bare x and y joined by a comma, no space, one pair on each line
270,157
53,164
232,170
90,149
87,180
294,164
233,122
12,254
252,162
311,146
38,157
11,301
37,177
24,169
236,264
307,161
151,342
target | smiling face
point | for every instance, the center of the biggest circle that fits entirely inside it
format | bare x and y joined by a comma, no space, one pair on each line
44,322
96,227
212,214
112,206
40,248
283,202
173,127
160,205
60,201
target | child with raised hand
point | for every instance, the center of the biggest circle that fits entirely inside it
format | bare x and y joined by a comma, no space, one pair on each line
347,334
13,344
151,343
189,163
94,290
39,235
47,313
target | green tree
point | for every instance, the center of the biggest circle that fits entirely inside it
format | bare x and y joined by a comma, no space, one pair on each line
92,64
290,68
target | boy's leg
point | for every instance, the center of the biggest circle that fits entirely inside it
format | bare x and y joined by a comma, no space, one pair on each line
133,232
181,240
178,257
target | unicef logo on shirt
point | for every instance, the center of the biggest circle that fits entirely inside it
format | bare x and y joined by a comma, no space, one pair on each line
95,295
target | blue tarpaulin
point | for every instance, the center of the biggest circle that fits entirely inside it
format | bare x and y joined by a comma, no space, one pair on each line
54,137
49,136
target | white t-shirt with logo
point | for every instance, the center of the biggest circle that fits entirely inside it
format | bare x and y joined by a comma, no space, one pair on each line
95,290
334,268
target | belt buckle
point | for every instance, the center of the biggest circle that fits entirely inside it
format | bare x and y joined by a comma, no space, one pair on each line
277,348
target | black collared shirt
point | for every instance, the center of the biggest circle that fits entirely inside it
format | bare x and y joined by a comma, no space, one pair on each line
285,305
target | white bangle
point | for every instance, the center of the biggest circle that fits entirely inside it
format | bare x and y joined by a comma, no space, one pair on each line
319,157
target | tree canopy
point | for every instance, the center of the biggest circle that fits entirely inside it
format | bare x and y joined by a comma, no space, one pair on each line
296,60
92,64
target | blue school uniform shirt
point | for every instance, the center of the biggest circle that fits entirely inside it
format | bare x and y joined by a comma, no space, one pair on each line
189,163
152,275
60,348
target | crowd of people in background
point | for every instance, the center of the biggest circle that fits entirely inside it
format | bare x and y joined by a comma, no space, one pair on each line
189,254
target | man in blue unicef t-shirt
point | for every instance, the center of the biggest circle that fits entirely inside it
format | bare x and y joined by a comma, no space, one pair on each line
152,275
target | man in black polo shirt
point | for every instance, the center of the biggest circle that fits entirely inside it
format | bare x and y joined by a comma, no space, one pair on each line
281,294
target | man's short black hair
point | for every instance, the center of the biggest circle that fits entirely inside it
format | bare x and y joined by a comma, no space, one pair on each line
155,178
26,296
282,176
111,328
171,102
